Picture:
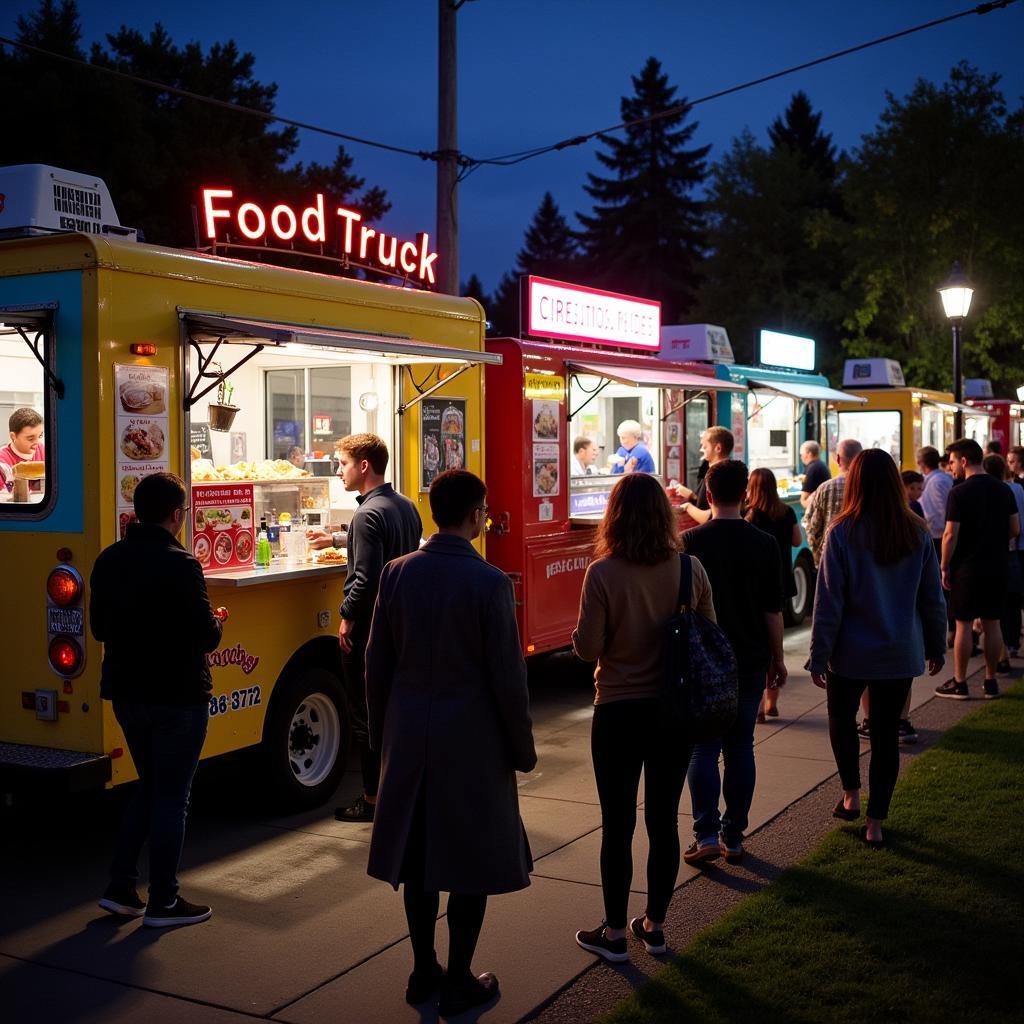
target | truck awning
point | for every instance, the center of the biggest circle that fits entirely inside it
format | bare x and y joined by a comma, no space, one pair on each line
801,391
967,410
651,377
212,327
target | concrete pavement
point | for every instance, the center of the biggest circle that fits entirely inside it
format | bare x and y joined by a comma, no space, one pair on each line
300,934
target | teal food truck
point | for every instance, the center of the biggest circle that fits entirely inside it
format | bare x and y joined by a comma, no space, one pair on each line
784,404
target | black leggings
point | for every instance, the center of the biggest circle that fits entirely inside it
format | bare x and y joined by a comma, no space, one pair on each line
886,698
628,736
465,910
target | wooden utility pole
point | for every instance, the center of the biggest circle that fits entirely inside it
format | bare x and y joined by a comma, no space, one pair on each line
447,148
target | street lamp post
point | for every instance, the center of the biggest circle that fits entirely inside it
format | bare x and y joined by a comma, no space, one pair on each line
956,294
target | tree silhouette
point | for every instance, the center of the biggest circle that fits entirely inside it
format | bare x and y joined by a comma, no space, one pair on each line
645,235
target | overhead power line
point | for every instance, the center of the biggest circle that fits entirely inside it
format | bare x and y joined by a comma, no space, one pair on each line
239,108
467,163
509,159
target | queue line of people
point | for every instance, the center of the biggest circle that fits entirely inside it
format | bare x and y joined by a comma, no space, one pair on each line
444,680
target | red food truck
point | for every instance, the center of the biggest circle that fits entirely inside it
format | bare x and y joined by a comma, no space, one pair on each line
1005,416
589,364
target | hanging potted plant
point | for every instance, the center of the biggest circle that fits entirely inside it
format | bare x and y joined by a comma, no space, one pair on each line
221,414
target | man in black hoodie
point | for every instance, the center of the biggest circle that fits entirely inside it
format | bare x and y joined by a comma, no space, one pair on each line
149,607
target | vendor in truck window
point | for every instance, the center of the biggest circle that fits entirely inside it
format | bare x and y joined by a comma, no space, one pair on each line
297,457
633,455
716,444
584,455
24,451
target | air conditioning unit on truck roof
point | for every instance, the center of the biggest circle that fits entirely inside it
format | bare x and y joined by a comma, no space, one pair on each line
36,199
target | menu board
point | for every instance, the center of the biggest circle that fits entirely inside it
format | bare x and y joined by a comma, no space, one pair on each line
545,471
141,433
222,526
442,437
199,438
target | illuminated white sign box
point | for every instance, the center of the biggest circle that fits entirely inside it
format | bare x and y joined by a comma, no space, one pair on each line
575,313
787,350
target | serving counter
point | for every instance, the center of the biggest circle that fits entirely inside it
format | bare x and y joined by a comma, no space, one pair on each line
250,577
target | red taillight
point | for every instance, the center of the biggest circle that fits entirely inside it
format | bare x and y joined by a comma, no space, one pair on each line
65,655
64,587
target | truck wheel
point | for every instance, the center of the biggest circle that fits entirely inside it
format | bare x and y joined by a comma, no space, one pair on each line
306,739
799,606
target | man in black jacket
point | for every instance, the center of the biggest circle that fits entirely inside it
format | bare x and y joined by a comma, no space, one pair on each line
149,607
385,526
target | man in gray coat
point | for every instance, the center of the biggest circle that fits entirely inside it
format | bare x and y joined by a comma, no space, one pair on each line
449,711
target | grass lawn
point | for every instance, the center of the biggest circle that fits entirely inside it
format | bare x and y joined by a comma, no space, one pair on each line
927,930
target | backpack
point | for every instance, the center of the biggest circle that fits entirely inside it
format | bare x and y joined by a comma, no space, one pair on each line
700,687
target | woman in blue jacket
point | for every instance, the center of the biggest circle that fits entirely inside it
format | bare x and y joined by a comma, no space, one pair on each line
878,614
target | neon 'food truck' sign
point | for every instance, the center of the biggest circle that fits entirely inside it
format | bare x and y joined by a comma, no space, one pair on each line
222,211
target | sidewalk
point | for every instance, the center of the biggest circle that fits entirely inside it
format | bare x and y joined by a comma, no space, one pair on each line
301,935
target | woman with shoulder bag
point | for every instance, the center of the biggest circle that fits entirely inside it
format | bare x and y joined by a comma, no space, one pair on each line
768,512
878,614
630,592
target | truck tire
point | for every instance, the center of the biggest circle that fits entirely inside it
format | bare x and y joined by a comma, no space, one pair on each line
798,607
306,739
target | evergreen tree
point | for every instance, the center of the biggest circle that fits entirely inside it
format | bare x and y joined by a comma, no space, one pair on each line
645,235
474,289
799,131
549,250
156,149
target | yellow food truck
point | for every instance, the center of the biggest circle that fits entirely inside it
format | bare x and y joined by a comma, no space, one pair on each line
240,377
898,418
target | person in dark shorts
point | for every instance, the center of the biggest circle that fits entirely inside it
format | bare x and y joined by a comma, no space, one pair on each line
768,512
981,518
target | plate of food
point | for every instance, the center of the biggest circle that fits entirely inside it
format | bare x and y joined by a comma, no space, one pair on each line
142,440
201,549
138,398
200,519
219,518
330,556
243,546
223,548
128,484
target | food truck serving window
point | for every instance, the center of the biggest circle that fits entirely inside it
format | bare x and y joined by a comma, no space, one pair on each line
771,428
875,429
26,412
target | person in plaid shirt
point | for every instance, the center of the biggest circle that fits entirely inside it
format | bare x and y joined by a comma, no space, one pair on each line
827,501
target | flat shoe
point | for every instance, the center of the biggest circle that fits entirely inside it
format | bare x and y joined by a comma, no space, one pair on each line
760,719
466,995
424,985
841,811
772,712
875,844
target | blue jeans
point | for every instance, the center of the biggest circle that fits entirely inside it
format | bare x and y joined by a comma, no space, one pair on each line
165,743
736,783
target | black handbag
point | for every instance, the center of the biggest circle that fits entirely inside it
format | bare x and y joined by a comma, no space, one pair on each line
700,688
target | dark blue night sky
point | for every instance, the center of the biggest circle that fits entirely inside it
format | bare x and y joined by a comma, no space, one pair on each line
535,71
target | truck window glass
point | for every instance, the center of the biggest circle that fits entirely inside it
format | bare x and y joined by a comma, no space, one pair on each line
24,487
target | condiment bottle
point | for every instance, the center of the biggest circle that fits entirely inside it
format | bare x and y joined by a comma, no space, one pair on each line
263,544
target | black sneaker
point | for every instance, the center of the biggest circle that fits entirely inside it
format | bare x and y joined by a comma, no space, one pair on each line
864,729
990,689
361,810
953,690
122,900
182,912
1003,667
731,848
424,985
654,942
907,733
597,942
702,849
458,997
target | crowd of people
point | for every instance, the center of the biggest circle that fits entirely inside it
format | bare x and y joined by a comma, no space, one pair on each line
437,687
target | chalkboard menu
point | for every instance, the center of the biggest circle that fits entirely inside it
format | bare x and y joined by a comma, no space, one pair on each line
199,438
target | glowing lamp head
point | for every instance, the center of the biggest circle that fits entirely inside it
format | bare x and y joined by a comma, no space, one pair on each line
65,655
956,293
64,587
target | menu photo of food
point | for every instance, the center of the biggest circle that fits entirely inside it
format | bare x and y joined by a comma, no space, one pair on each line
545,420
222,526
141,397
545,470
142,440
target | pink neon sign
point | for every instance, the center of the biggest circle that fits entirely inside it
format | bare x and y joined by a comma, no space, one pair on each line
221,212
